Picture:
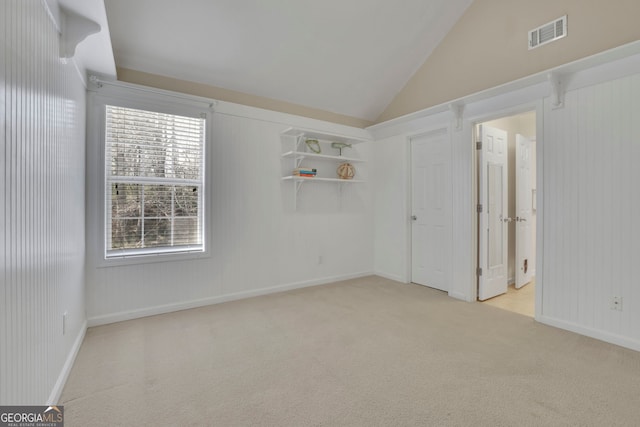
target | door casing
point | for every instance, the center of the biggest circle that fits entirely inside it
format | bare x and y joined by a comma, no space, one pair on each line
469,126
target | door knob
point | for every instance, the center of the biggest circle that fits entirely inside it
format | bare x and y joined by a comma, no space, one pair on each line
413,217
507,219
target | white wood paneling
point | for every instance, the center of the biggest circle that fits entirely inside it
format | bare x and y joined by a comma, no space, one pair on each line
463,281
258,243
587,203
391,206
42,212
591,208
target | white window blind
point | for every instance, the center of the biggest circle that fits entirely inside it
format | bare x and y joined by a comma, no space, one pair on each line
154,182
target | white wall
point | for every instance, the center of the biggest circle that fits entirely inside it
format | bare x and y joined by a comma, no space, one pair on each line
392,197
391,181
587,194
259,244
42,126
591,204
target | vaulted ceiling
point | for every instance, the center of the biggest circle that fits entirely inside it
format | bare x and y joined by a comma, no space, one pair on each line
345,56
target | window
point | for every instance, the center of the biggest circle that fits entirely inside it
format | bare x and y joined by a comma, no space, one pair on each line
154,183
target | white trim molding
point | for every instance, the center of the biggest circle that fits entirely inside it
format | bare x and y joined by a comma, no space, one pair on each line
590,332
169,308
56,392
556,81
75,29
622,60
457,110
563,118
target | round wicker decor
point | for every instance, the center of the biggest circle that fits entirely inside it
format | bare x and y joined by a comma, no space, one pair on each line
346,171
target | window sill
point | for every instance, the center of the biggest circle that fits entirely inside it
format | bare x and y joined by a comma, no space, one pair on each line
118,261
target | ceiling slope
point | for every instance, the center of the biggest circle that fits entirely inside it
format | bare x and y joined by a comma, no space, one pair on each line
349,57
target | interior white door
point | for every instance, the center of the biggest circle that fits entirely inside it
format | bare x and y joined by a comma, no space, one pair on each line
492,196
431,200
524,211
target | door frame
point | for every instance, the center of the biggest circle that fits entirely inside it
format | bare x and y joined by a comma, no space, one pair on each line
470,137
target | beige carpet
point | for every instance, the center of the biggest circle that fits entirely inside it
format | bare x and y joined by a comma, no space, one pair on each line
365,352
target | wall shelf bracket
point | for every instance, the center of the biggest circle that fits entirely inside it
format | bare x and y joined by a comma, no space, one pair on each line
457,110
74,29
556,81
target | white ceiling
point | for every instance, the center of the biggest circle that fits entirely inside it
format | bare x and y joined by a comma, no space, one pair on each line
345,56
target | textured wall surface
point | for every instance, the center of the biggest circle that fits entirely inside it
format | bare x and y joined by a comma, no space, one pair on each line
42,126
591,203
257,242
587,200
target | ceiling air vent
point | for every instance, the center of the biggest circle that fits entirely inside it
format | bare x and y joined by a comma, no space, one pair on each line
547,33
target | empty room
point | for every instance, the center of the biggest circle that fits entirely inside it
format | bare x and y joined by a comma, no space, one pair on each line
291,213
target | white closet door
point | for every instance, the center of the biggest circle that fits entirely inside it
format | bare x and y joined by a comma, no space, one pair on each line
431,209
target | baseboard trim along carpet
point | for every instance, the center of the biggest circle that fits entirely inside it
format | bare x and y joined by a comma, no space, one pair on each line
592,333
168,308
363,352
392,277
54,397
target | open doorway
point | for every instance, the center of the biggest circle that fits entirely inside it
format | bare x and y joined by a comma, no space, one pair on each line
506,165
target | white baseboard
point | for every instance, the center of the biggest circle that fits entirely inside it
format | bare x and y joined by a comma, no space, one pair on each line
459,295
54,397
593,333
168,308
391,277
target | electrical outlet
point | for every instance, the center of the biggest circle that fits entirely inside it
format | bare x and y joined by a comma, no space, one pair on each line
320,260
616,303
64,323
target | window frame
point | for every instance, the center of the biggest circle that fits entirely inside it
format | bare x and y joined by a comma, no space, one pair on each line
121,95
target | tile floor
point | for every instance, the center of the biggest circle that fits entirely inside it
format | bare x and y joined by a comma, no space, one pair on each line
521,301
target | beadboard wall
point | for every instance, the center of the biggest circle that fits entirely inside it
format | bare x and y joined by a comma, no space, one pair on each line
392,244
42,176
591,205
588,200
258,242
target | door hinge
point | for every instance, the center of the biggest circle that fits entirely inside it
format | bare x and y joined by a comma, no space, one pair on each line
478,145
479,271
479,208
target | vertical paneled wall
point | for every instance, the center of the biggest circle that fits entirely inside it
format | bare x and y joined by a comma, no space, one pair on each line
42,154
391,241
463,225
591,204
588,203
258,242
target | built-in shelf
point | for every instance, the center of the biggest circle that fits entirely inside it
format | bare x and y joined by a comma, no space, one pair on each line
309,179
326,136
326,162
303,154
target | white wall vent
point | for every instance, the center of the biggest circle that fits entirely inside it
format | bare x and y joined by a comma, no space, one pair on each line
547,33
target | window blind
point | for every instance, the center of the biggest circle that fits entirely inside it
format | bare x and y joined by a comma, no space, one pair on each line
154,180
